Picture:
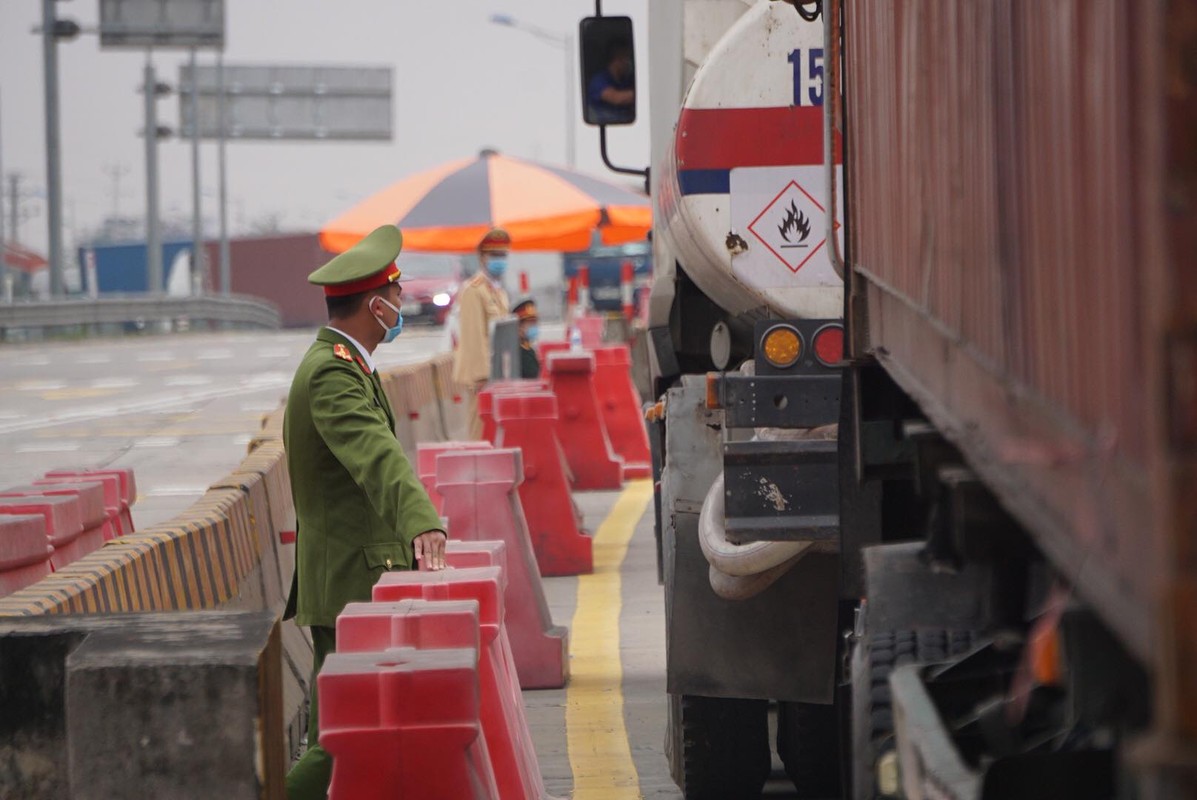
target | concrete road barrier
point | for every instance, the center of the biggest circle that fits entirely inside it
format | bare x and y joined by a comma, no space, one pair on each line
179,706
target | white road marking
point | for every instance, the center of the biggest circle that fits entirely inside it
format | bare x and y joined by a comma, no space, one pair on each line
266,379
11,415
35,361
99,411
41,386
188,380
114,383
155,355
274,352
48,447
95,358
215,355
174,491
158,441
259,407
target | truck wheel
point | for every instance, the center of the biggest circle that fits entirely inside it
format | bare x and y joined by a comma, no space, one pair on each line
876,656
718,748
809,745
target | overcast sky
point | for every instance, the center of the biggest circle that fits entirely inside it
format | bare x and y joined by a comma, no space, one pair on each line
460,82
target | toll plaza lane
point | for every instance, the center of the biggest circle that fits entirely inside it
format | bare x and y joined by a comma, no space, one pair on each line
177,409
180,410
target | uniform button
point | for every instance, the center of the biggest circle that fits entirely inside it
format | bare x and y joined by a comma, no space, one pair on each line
388,563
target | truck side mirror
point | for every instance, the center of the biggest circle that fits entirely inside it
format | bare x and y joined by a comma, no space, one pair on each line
608,71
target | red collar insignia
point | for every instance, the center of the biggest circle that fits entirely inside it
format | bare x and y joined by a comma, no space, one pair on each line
342,352
362,363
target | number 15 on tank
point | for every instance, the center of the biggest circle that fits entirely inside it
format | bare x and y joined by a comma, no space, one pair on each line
808,75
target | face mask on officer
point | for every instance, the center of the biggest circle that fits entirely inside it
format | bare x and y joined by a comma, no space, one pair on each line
532,332
496,266
393,330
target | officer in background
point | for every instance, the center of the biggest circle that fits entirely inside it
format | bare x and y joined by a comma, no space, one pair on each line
525,312
360,508
482,301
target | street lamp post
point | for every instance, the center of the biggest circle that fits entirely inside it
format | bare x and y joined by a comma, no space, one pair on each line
566,43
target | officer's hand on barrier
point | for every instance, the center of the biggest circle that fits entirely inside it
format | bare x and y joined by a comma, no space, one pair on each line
429,549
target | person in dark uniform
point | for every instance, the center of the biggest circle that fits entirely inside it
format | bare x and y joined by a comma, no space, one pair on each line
611,92
525,312
360,508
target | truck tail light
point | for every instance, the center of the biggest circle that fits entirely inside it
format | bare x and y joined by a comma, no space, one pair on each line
782,346
829,345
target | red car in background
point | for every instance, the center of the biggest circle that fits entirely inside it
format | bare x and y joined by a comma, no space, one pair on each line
430,285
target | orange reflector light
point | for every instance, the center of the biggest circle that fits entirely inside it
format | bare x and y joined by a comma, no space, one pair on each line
782,346
829,345
713,390
1046,659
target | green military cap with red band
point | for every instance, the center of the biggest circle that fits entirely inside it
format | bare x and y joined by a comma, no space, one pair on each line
367,265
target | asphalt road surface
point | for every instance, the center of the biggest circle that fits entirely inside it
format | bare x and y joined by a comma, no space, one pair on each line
178,409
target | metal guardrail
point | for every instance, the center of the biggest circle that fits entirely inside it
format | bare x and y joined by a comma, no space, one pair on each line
134,313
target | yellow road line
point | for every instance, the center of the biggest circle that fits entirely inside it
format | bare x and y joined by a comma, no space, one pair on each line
599,754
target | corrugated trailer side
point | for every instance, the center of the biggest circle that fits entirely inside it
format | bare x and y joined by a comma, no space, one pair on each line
1021,230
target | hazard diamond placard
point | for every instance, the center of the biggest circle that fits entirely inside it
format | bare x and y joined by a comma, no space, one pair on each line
792,226
780,215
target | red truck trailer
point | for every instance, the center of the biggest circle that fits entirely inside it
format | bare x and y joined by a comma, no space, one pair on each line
1020,213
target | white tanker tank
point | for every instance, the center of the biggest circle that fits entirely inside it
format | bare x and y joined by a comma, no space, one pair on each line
741,195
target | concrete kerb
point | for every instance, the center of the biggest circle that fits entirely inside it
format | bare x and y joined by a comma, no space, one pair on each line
411,389
451,397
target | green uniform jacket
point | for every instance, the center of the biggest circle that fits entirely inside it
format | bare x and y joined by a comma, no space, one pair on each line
358,503
529,363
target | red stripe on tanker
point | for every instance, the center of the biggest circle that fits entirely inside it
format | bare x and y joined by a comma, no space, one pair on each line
743,191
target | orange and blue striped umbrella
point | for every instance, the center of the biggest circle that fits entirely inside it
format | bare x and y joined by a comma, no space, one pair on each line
449,208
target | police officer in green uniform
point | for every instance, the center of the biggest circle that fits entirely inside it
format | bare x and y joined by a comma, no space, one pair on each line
360,508
525,312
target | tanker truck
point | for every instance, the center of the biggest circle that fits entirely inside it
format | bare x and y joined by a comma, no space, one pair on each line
746,338
952,544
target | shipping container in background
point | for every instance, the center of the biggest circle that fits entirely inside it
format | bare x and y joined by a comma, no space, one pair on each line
274,268
121,268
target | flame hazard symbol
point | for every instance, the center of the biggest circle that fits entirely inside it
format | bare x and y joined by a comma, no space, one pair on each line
795,221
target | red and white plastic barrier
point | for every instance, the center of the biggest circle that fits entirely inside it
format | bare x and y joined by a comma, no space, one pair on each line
482,504
426,455
446,623
486,399
118,521
63,520
25,551
584,439
404,723
619,403
125,480
528,422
